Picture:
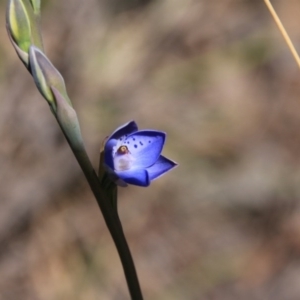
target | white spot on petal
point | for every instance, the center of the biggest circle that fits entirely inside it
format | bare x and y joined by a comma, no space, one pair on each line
123,162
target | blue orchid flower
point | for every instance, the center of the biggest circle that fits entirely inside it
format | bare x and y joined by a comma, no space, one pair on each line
134,156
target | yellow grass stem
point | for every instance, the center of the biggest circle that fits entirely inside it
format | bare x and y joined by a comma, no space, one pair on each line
283,32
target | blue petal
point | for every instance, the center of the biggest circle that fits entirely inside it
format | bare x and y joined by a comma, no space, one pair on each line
127,128
161,166
135,177
145,147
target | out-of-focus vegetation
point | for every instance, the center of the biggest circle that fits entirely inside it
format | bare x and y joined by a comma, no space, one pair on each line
218,78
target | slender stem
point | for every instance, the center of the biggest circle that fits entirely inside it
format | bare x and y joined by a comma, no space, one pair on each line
283,32
112,221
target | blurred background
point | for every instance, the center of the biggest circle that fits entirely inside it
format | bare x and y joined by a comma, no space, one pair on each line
218,78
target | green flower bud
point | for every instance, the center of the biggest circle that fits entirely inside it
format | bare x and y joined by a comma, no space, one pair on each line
18,26
46,76
22,27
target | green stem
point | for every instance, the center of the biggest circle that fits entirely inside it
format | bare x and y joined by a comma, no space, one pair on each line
112,220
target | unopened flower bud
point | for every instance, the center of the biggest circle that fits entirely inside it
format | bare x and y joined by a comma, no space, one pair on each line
46,76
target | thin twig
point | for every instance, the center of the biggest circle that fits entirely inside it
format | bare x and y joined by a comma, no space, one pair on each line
283,32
